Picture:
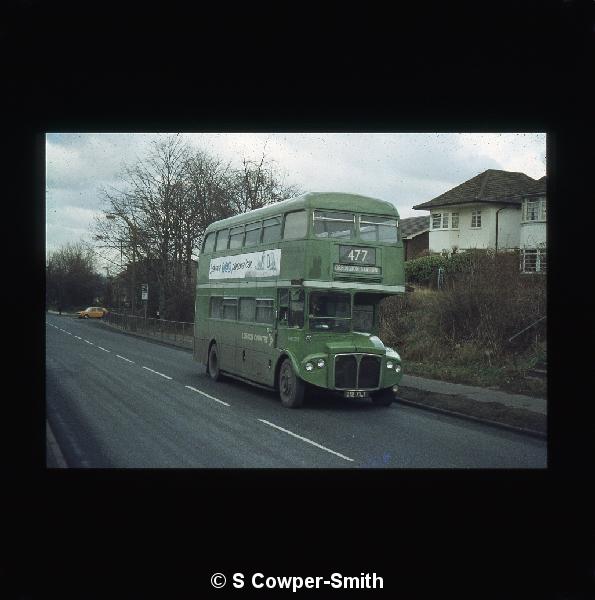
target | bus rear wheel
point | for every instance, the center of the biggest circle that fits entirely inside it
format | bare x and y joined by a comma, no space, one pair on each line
291,387
383,397
213,364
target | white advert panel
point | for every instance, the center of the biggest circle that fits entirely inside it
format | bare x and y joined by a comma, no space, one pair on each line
255,264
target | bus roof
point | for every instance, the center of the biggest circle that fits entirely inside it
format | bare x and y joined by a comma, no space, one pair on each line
324,200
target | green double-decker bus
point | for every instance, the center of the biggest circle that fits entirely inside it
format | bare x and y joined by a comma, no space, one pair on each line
288,297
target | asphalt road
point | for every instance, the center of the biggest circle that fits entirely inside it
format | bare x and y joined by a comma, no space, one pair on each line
118,401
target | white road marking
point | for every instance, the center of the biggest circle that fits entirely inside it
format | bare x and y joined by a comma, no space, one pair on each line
157,373
123,358
78,337
103,349
306,440
68,332
88,342
207,395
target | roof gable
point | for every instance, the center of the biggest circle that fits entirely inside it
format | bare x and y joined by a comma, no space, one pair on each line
490,186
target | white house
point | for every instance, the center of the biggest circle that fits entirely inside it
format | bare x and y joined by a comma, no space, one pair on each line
533,240
488,211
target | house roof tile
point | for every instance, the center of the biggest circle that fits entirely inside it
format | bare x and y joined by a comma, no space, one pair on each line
413,226
492,185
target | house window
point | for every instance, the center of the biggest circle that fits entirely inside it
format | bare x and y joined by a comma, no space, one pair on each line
533,260
534,210
476,219
440,220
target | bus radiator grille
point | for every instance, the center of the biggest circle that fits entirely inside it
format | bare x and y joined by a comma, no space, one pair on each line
345,371
369,372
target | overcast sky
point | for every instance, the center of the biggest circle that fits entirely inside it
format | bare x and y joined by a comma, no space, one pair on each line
403,168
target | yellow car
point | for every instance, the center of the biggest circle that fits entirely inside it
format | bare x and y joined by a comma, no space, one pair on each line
93,312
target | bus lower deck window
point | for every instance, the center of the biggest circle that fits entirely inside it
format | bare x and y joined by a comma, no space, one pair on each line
264,310
230,309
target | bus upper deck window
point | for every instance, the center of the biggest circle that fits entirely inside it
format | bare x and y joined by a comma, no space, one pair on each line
296,225
236,237
377,229
222,237
328,224
252,234
271,230
209,244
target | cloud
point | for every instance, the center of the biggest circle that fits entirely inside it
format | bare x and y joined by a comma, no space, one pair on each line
405,169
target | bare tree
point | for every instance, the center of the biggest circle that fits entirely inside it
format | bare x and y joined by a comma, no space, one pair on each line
259,183
71,279
157,218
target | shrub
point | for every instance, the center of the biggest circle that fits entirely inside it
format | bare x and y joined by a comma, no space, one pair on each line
485,301
423,270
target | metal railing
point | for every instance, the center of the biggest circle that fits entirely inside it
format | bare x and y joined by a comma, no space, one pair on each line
180,333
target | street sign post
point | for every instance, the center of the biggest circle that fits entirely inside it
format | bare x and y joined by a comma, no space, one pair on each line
145,296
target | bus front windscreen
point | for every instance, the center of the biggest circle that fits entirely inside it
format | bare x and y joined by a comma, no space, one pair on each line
330,311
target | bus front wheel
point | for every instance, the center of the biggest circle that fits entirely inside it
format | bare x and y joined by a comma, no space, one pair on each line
214,371
291,387
383,397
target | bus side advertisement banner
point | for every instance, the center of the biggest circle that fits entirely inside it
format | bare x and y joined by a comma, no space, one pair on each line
241,266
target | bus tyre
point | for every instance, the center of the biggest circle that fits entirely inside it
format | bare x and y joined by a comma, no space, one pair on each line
291,387
383,397
213,364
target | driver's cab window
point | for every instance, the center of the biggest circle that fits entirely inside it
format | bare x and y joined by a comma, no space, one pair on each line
365,312
291,308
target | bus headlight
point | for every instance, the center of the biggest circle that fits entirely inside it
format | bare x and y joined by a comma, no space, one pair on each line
397,368
389,364
320,363
309,366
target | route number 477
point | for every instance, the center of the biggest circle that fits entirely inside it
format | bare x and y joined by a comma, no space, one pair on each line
357,255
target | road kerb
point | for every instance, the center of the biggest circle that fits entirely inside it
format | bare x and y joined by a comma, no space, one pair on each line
452,413
53,450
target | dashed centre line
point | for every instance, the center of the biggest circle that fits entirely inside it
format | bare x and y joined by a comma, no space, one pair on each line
157,372
101,348
124,358
207,395
306,440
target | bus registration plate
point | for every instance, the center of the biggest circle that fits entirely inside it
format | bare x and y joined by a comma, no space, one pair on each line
355,394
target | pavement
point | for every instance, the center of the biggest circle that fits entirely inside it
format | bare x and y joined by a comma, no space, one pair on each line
518,412
477,394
